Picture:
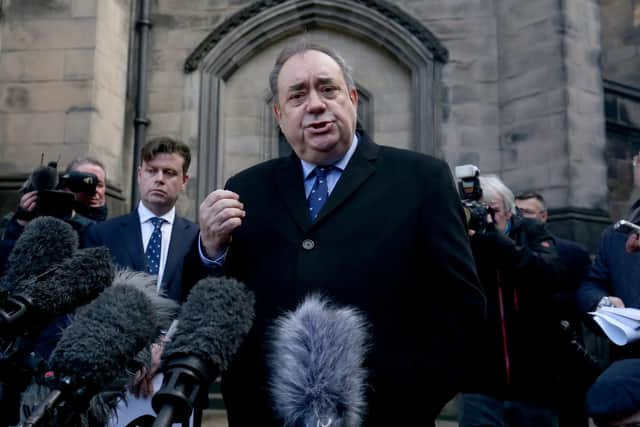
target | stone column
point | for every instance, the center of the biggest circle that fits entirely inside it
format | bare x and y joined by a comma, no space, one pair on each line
551,110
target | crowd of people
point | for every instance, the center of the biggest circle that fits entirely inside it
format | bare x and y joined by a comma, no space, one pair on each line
494,311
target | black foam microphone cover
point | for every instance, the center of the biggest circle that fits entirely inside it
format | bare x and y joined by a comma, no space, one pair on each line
212,324
45,241
69,284
44,177
102,340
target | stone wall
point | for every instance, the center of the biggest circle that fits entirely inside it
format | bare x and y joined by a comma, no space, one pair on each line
621,41
520,89
62,77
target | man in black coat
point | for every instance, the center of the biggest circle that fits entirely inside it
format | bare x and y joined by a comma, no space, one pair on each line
510,379
390,240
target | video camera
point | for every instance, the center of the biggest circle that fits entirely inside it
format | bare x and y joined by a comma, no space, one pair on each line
55,192
470,192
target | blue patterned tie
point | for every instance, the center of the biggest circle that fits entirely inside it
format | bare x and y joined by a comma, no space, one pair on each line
319,192
154,245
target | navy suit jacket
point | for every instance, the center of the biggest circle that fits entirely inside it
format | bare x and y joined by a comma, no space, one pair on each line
123,237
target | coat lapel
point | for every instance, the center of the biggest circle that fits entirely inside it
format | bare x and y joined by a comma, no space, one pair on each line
358,170
291,186
178,247
133,241
290,183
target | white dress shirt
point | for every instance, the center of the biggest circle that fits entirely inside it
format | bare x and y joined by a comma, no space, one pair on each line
146,228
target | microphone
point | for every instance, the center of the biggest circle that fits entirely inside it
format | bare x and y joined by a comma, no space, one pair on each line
45,241
318,378
43,178
69,284
103,338
213,322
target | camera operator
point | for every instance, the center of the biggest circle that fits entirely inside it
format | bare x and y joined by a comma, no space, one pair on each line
511,379
88,204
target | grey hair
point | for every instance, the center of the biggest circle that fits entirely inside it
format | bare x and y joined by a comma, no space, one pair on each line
302,46
79,161
494,189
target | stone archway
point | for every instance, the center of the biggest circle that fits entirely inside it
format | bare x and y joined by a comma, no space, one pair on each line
235,128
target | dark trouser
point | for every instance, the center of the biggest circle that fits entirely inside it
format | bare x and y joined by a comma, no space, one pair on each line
480,410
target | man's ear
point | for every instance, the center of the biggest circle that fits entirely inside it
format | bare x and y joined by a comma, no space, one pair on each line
545,215
276,111
353,95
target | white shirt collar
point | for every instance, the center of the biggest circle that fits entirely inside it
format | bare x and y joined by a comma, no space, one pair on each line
341,164
145,214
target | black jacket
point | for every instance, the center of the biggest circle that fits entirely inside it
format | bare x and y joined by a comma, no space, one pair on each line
391,241
518,356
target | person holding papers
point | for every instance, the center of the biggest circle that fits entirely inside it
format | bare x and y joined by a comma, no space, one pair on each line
614,275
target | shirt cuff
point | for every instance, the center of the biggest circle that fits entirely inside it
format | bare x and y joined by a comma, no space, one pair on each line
211,262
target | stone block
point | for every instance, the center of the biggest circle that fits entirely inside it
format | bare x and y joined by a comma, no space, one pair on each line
537,54
587,104
109,107
168,59
166,100
164,124
485,69
475,114
159,80
77,125
83,8
79,64
481,93
27,156
49,34
34,128
532,82
111,77
29,9
45,96
515,15
185,39
25,66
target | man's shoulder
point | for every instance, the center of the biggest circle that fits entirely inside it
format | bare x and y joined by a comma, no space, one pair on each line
261,170
112,223
423,164
570,245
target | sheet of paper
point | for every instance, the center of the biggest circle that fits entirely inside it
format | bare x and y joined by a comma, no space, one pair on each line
619,333
138,406
631,313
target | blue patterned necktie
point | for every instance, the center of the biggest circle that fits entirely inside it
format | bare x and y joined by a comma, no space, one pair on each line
154,246
319,192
